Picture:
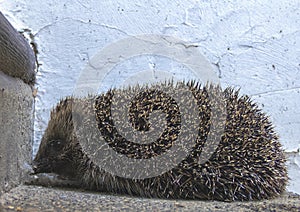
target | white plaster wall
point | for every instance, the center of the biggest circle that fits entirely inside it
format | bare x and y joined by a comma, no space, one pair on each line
253,45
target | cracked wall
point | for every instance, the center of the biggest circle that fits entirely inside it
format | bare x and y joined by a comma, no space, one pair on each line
253,45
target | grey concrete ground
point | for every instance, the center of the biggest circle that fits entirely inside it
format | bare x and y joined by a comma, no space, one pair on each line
36,198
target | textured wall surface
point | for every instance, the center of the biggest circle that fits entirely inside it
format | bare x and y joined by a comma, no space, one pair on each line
252,45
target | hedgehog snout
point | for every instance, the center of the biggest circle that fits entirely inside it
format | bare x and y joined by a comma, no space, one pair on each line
40,166
35,167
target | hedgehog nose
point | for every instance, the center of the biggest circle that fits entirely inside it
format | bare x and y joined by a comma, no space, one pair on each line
35,169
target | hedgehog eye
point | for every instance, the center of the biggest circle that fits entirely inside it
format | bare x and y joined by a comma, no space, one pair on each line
56,144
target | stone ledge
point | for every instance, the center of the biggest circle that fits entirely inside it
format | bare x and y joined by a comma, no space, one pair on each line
35,198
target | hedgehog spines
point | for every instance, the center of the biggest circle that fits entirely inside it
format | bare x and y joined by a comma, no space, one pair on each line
248,163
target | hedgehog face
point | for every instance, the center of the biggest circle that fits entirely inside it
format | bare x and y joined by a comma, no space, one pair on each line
52,157
53,154
48,157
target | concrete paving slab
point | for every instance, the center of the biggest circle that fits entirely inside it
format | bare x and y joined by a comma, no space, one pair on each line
36,198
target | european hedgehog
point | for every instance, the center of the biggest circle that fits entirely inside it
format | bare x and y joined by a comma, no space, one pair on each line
248,162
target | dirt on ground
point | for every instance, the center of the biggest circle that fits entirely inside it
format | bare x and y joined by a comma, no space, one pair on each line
37,198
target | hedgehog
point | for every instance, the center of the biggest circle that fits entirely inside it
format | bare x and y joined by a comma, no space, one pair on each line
246,162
